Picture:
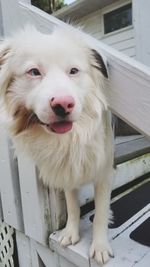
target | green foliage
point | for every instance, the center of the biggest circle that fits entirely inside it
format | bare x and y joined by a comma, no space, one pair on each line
48,6
59,4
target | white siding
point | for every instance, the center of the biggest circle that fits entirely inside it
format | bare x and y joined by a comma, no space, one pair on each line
122,40
92,24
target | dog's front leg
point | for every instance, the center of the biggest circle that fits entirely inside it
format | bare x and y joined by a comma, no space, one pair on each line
100,249
70,235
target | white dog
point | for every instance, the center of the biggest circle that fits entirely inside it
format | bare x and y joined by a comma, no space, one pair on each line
53,91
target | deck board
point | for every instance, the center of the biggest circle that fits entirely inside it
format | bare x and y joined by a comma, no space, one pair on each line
129,148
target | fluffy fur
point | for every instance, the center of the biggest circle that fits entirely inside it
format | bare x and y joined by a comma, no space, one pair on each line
85,153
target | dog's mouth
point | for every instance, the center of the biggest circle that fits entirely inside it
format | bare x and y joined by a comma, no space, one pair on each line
59,127
25,119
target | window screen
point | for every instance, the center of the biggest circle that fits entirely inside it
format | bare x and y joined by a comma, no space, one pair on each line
118,18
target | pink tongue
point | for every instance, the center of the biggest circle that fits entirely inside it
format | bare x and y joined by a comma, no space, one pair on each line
61,127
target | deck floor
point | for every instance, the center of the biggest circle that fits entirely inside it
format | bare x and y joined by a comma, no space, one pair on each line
128,253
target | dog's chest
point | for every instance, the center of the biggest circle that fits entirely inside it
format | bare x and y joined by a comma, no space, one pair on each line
70,163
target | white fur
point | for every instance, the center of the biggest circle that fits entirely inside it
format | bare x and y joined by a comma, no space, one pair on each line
83,155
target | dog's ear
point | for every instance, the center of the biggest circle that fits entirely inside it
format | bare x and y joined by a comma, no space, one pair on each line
98,63
4,51
5,73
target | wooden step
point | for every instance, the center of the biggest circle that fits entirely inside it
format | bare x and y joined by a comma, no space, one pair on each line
120,240
130,147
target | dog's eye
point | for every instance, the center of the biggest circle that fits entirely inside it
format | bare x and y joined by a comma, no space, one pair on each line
34,72
73,71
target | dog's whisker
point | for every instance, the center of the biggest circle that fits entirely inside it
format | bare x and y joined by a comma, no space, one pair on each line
30,120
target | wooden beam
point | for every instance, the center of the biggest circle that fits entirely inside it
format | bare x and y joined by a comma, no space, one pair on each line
24,250
9,185
131,149
130,91
35,201
9,16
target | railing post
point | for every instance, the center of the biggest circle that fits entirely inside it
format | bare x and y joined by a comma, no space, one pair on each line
9,16
141,21
9,183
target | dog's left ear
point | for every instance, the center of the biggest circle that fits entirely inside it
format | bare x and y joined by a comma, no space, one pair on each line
4,50
98,63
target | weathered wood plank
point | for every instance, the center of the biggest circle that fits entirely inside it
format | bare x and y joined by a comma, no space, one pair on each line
48,258
33,15
9,185
130,170
127,138
35,203
58,209
66,263
24,250
32,254
1,209
130,92
9,16
131,149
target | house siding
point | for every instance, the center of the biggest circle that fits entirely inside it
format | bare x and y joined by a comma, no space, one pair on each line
122,40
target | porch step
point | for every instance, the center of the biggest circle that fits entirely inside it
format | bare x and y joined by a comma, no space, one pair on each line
127,251
132,156
130,147
132,160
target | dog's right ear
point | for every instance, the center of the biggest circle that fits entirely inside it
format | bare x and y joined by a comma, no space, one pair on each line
5,73
99,63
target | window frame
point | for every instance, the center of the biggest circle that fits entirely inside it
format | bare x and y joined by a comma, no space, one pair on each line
109,9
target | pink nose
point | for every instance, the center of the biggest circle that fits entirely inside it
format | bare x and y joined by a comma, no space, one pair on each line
62,105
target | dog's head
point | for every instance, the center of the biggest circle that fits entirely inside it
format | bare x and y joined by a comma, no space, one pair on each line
50,81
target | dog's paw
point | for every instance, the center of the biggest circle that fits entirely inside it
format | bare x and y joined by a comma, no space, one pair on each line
68,237
101,252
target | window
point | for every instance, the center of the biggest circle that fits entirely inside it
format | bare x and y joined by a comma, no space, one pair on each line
118,19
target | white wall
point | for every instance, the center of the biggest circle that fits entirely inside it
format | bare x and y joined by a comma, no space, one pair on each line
141,14
122,40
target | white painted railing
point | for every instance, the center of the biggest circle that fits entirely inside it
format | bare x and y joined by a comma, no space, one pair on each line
26,204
